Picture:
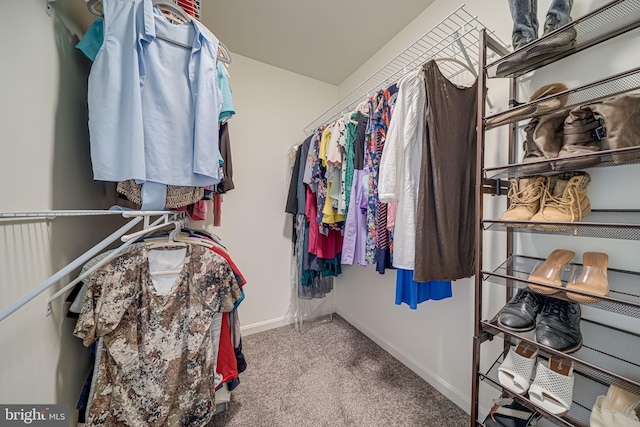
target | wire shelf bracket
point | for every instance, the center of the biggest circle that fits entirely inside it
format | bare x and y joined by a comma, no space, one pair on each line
456,36
135,218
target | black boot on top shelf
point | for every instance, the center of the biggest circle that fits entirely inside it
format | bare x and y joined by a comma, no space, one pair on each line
559,325
520,313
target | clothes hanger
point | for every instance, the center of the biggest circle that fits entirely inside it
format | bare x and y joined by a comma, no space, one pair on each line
457,61
224,55
91,5
170,242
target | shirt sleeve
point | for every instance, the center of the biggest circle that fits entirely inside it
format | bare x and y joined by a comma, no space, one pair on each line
111,292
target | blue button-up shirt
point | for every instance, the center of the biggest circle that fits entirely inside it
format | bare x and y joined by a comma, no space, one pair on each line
153,105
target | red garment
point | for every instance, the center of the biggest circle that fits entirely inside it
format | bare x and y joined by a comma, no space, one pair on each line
188,7
217,210
227,364
324,247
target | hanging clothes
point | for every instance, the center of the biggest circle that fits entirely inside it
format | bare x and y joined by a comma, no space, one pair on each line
446,198
380,123
400,166
152,333
132,136
412,293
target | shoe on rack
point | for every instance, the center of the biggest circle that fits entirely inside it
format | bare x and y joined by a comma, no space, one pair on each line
515,371
559,325
550,272
519,40
552,388
621,115
582,134
506,412
593,278
564,199
619,408
524,198
520,313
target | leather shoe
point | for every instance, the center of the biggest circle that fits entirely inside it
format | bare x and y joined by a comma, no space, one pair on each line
520,313
559,325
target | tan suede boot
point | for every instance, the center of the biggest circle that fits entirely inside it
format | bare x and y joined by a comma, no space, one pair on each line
565,198
544,141
582,136
622,120
524,198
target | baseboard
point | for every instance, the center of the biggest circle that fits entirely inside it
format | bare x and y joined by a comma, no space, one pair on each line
254,328
434,380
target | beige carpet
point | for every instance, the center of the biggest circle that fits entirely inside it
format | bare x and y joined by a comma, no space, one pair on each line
331,375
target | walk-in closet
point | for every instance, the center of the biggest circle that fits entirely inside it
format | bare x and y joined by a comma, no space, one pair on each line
284,213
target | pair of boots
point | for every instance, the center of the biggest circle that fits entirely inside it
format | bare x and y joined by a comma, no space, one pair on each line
582,130
525,19
555,198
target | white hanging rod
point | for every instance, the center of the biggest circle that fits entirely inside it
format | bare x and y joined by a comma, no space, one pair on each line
136,218
455,36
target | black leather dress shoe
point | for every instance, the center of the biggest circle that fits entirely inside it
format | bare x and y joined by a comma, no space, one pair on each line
520,313
559,325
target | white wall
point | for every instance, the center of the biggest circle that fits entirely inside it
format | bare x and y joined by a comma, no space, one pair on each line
273,106
436,340
44,164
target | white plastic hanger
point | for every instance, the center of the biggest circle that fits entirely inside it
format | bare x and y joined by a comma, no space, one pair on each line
224,55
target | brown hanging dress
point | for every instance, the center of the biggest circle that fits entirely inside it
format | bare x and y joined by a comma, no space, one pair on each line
446,201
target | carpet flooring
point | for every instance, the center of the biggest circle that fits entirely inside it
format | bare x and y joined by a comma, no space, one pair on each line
331,375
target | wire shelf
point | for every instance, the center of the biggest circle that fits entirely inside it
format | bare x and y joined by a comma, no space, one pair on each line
606,224
600,159
585,392
604,23
623,298
456,36
601,89
608,355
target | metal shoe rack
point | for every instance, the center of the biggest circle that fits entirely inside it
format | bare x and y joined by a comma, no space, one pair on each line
598,364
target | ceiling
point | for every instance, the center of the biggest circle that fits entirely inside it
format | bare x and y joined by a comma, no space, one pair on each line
326,40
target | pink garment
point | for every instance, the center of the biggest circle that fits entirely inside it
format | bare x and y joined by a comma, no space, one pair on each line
324,247
198,211
392,208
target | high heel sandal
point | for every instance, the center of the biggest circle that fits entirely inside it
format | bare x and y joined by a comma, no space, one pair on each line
550,271
593,278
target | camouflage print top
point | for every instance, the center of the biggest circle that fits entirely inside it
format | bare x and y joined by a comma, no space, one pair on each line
157,368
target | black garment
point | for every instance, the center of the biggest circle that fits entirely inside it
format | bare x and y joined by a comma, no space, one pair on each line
292,198
302,191
445,216
358,144
227,167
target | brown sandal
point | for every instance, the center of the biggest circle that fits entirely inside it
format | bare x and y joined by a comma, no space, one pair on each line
550,271
593,278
